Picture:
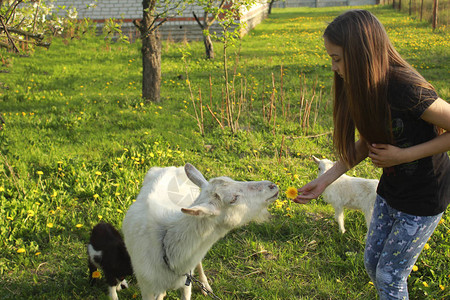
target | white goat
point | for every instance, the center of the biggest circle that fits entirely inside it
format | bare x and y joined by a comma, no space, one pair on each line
167,241
349,192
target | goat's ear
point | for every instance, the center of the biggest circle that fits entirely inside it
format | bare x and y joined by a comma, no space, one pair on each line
316,160
195,176
200,211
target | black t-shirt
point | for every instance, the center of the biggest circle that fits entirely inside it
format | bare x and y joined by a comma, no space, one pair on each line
420,187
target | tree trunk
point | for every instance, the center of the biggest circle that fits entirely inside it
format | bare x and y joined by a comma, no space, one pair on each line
270,6
435,13
151,55
151,63
209,48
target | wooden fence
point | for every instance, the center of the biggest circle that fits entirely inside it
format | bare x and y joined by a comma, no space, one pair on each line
436,12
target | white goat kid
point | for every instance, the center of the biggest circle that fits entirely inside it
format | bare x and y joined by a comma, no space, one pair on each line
349,192
166,241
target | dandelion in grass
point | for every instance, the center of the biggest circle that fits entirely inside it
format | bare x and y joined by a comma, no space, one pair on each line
2,189
50,225
21,250
98,173
427,246
415,268
278,204
40,173
96,274
37,253
442,287
291,192
79,225
425,284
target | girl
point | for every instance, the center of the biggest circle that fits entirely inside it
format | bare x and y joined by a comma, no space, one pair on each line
401,122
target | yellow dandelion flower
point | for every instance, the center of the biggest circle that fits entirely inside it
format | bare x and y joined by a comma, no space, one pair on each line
30,213
291,192
21,250
96,196
79,225
2,189
40,173
442,287
415,268
119,211
425,284
442,221
96,274
427,246
50,225
370,283
100,217
37,253
98,173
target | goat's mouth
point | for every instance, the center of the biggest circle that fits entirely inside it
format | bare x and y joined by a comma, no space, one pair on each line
273,198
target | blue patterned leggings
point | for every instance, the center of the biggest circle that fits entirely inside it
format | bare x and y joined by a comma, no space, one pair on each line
394,242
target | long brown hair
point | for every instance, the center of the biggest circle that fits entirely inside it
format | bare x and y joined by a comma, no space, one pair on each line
360,99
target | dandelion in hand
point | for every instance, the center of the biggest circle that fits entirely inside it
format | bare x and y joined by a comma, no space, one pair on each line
291,192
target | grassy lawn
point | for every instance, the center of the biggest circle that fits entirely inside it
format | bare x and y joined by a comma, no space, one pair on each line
78,141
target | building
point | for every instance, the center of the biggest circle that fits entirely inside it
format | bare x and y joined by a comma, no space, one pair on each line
176,28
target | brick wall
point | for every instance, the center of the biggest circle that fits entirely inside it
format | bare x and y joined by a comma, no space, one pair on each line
322,3
177,28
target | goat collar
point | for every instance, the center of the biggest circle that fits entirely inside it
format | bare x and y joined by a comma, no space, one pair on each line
164,252
165,257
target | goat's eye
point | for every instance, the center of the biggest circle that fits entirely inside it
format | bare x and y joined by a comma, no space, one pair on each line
235,198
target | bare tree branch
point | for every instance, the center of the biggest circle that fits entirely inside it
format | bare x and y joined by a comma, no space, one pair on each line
9,36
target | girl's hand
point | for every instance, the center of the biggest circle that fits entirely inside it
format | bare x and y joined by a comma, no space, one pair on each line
311,190
385,155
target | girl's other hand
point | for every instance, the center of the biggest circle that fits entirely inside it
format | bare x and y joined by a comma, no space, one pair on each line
385,155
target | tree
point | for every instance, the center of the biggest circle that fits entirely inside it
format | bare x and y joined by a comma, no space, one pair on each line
155,13
226,12
271,2
24,23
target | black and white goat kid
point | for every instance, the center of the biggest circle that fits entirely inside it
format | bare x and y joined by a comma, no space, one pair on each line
106,250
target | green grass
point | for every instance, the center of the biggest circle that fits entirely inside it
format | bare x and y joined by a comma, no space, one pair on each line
78,140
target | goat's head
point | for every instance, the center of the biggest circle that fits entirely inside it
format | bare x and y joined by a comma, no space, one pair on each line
323,164
232,203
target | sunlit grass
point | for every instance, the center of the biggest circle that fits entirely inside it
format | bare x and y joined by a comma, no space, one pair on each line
78,140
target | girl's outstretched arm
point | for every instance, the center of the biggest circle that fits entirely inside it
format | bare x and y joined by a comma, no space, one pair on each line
315,188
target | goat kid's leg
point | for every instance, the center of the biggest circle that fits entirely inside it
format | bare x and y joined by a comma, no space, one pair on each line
339,216
202,278
368,217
